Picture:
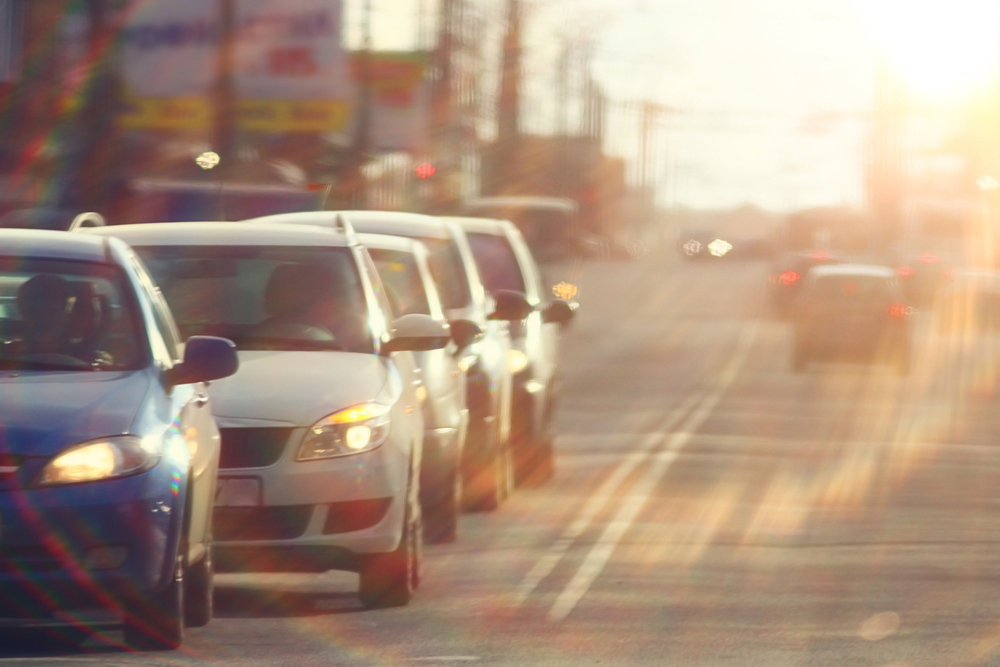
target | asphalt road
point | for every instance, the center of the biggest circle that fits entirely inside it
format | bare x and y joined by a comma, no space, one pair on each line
710,507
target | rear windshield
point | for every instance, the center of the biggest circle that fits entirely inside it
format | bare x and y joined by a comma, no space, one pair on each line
849,289
401,279
497,263
265,298
69,316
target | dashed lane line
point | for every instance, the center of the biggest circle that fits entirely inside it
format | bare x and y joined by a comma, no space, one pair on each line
601,552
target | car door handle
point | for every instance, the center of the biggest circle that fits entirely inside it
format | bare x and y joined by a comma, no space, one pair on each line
200,399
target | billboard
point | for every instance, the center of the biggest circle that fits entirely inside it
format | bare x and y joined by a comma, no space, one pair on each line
291,73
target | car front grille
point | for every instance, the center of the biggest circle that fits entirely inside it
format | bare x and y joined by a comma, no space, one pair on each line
252,447
283,522
353,515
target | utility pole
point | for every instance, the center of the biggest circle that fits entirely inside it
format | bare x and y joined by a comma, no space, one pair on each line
362,130
224,101
508,112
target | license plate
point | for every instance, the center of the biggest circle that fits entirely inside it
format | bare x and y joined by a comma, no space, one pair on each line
238,492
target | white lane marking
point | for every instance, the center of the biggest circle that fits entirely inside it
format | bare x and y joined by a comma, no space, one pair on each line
601,552
447,658
543,568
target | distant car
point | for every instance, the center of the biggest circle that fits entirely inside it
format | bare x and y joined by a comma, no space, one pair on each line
321,427
923,275
109,452
487,467
702,244
969,302
786,275
506,264
54,219
851,311
402,264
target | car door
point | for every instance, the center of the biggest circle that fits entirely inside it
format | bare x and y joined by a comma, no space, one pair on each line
542,336
191,414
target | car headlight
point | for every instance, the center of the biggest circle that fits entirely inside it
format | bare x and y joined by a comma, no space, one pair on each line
351,431
106,458
517,361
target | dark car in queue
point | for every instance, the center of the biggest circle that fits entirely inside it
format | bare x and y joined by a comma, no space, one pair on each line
506,264
108,450
403,266
786,275
487,467
851,312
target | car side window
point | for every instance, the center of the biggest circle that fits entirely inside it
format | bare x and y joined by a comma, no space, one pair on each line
383,310
166,328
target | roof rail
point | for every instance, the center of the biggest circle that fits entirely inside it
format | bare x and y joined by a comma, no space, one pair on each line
343,225
85,220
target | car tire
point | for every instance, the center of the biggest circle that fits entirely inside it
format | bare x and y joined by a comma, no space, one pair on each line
441,519
485,484
389,580
541,465
199,590
154,621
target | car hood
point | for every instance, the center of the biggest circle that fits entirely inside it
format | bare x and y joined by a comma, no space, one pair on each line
41,413
295,388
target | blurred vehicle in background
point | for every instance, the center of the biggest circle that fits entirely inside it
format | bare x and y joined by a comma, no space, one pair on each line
786,275
403,266
109,454
54,219
506,264
321,427
969,302
939,237
695,244
854,312
487,466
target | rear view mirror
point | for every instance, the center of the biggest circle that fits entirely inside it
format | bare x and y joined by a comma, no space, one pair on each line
559,312
206,358
465,333
511,306
417,333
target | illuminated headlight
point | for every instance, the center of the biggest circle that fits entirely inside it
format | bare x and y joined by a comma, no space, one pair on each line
517,361
719,248
352,431
99,459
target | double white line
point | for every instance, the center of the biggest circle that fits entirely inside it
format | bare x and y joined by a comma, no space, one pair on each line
663,448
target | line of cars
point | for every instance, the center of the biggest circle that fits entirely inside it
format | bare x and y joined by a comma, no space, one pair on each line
301,392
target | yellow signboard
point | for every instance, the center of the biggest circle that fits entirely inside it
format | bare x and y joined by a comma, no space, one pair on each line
195,114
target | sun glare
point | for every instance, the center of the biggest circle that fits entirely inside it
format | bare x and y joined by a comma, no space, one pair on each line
942,47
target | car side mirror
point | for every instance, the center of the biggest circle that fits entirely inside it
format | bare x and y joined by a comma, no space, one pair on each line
417,333
465,333
206,358
559,312
511,306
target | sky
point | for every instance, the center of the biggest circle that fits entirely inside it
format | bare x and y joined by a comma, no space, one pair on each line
770,99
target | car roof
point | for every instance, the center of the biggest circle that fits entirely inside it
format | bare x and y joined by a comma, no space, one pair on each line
223,233
388,242
493,226
852,271
562,204
45,244
396,223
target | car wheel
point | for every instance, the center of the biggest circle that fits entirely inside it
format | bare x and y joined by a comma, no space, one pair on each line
541,464
389,580
199,590
441,522
155,621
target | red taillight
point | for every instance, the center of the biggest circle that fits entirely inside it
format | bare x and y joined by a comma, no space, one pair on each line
928,258
789,277
906,271
897,310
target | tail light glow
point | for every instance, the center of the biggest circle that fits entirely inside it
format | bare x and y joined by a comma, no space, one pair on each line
897,311
906,271
789,277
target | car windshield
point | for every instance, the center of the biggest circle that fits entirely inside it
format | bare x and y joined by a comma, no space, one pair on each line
448,271
67,316
264,298
401,279
497,263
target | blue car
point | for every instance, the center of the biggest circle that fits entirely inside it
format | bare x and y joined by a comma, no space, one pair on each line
108,449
